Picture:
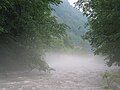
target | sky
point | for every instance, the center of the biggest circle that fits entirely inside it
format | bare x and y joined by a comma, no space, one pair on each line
72,1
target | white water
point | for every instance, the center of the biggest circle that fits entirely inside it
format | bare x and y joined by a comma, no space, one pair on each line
73,72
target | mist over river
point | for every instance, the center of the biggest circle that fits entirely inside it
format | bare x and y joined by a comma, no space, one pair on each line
73,72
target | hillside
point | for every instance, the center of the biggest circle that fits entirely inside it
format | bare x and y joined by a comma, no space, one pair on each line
72,17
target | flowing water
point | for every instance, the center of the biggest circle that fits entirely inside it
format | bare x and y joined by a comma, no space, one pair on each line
73,72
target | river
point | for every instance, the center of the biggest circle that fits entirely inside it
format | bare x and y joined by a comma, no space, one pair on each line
73,72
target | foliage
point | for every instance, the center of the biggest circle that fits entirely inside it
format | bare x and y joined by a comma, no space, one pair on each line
110,78
26,31
75,20
104,33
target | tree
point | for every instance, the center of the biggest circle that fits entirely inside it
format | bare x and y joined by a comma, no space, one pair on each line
26,31
104,33
76,21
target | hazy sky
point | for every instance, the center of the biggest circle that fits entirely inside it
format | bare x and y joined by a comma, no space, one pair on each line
71,2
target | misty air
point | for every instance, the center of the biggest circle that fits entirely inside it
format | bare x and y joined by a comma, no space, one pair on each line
59,45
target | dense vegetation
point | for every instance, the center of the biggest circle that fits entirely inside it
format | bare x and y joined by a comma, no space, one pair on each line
72,17
27,29
104,35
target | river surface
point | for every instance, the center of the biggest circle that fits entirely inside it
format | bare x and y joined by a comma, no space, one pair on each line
73,72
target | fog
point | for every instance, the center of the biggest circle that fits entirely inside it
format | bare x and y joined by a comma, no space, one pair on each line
49,44
72,72
62,61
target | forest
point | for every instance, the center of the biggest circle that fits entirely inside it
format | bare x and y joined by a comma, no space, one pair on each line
104,33
76,21
27,29
69,45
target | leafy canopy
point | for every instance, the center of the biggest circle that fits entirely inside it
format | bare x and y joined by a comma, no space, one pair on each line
26,31
104,20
